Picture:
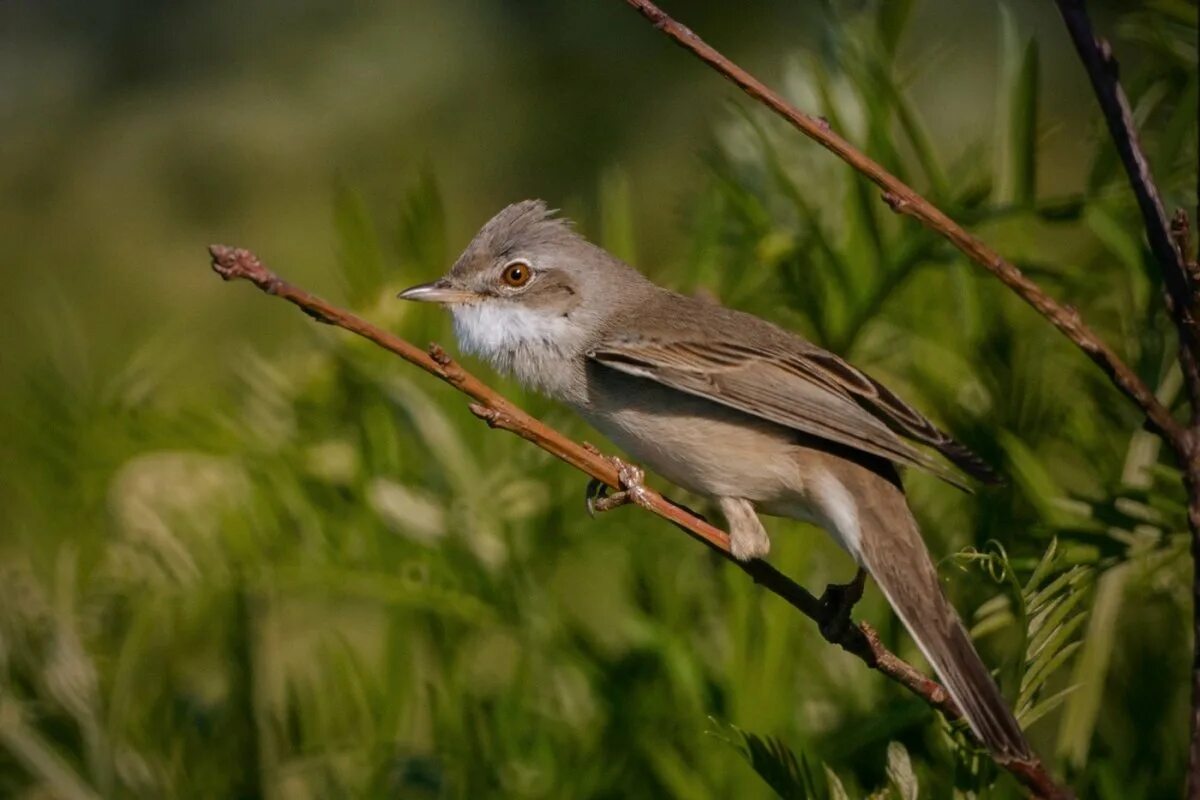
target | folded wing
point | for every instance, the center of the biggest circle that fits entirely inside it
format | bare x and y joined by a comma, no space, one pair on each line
804,388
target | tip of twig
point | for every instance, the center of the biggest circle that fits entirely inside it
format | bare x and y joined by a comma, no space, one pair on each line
234,262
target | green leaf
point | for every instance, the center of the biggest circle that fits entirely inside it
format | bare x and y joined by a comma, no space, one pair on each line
674,771
900,772
1023,127
1115,236
891,22
1090,673
1044,565
862,201
1040,709
1028,472
38,756
1179,134
1181,11
359,255
1017,113
447,444
421,228
1057,643
1042,669
1048,628
384,588
616,215
914,130
1036,602
834,785
774,762
993,623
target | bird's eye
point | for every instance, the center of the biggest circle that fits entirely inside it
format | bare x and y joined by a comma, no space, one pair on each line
516,274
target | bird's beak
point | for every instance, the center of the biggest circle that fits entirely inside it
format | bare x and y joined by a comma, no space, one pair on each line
439,291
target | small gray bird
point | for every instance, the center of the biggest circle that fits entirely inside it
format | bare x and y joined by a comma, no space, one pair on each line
727,406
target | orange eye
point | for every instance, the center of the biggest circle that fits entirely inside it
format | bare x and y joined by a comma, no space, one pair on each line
516,274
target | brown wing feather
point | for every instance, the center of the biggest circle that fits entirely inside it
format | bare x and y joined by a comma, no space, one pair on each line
897,414
786,388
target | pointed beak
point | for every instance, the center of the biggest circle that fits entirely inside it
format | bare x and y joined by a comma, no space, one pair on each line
439,291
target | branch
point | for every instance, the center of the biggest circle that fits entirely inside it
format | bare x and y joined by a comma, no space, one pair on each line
859,640
1189,356
1170,242
1104,74
904,200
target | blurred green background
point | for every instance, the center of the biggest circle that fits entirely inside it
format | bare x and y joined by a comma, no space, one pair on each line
245,556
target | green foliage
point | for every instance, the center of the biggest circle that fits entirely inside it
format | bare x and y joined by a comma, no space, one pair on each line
790,777
1047,612
322,577
794,778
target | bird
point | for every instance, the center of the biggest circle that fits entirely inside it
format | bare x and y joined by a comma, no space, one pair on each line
730,407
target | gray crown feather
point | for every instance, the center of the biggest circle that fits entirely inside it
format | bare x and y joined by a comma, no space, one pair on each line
524,225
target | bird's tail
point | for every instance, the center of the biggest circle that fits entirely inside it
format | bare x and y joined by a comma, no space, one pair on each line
895,555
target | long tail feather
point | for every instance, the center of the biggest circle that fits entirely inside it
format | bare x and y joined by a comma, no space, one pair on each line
891,549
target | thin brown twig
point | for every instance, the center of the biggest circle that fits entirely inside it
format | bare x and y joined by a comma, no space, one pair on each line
905,200
498,412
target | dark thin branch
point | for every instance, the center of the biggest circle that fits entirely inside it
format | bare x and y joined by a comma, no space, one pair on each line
1181,235
1170,243
905,200
1104,74
493,408
1189,357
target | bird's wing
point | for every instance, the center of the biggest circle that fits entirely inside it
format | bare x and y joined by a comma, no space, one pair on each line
799,387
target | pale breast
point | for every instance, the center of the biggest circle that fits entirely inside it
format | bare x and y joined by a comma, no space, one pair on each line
694,443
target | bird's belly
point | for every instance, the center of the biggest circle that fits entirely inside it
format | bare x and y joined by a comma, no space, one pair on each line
703,447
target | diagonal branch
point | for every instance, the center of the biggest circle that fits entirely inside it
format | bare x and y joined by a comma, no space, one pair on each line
903,199
1170,242
490,406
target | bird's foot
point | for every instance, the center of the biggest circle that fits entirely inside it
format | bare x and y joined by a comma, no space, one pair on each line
748,538
839,600
633,490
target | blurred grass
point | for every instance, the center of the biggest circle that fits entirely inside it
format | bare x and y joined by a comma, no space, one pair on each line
291,568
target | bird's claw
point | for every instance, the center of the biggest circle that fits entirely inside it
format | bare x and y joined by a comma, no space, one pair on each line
631,479
839,600
595,495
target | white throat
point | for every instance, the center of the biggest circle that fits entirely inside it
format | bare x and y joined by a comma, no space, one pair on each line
538,348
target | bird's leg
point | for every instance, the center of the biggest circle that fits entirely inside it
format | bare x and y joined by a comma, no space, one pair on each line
632,489
839,600
747,537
